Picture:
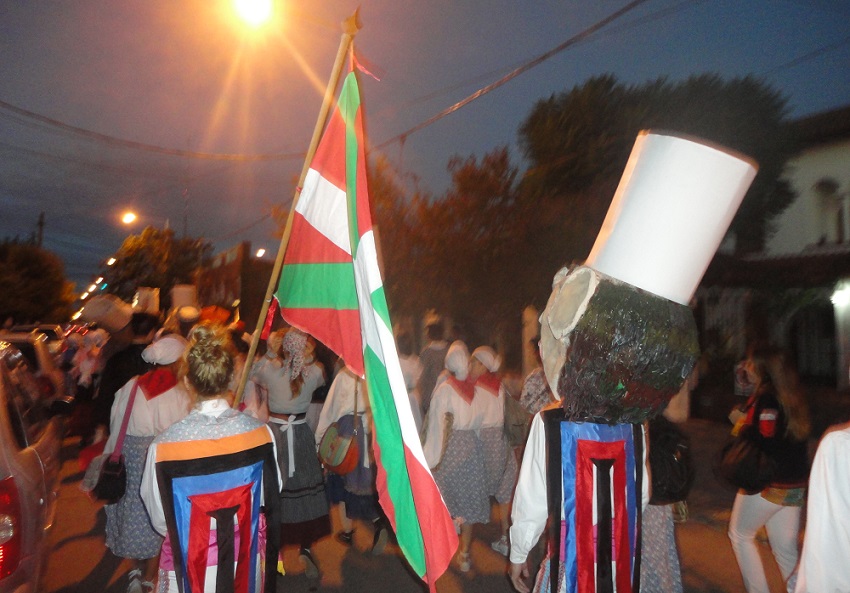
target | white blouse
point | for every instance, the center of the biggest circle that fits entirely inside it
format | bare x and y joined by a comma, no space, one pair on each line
490,407
149,417
447,401
340,402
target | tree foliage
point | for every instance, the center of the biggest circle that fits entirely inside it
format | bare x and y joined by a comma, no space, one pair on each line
34,284
490,245
580,140
157,259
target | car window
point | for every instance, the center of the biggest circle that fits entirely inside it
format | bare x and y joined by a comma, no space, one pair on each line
27,413
28,350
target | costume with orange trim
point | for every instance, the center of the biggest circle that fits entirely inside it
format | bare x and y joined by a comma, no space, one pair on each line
211,483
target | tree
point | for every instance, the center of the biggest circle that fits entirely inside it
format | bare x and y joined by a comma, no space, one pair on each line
157,259
579,141
34,284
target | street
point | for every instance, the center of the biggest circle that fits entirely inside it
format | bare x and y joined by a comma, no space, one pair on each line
81,563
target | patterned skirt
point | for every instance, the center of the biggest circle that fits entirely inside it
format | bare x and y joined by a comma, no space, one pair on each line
129,533
461,479
659,569
500,465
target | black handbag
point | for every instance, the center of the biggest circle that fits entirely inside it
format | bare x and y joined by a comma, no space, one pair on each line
744,464
112,480
670,462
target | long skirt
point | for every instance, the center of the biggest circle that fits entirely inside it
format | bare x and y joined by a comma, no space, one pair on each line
500,464
659,568
129,533
460,477
356,488
303,503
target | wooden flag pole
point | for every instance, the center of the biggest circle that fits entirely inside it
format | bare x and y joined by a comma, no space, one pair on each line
349,27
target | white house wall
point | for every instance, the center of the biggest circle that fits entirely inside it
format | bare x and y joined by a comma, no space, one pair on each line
809,218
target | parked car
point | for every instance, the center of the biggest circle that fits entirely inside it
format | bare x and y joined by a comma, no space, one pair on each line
31,429
55,335
34,346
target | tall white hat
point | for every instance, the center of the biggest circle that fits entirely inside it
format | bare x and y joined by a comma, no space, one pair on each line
670,212
108,312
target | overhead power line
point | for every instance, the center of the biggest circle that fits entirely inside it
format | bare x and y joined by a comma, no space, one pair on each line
516,72
808,56
148,147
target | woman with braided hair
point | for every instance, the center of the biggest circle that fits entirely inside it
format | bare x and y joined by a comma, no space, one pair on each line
290,384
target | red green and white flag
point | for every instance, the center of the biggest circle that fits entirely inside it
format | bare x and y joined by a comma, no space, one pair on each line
331,288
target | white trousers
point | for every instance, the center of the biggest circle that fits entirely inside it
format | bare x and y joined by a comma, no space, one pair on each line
749,513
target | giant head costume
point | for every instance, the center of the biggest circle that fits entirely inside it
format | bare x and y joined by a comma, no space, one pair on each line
617,335
618,339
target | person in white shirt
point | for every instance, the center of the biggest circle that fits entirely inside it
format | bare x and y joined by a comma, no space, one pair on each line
159,400
500,463
453,450
354,493
826,545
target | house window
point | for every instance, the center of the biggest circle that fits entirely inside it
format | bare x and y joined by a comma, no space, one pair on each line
835,211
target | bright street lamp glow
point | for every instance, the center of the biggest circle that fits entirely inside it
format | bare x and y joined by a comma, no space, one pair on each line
261,252
99,280
84,296
129,217
92,288
253,12
111,261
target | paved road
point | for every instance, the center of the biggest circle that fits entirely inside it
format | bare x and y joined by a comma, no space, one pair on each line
81,563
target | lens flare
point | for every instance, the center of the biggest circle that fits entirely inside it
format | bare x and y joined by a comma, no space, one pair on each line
254,12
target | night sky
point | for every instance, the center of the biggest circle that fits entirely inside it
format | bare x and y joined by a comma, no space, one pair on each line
82,80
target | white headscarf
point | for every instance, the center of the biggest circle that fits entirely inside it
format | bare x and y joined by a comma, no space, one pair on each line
457,360
167,349
488,357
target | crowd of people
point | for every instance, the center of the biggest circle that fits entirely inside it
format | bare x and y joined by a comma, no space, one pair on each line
148,385
153,386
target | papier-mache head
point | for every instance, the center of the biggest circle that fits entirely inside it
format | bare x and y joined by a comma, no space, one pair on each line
617,336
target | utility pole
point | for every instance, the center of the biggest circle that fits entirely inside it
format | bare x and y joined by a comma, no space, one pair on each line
40,234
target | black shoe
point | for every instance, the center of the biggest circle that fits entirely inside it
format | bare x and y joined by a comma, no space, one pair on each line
346,538
311,569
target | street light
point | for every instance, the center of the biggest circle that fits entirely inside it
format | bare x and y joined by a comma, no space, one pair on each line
129,217
254,12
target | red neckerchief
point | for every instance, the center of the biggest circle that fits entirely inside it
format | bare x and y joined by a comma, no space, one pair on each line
465,389
157,382
490,382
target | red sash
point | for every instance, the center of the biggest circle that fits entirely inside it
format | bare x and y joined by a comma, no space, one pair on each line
465,389
490,382
157,382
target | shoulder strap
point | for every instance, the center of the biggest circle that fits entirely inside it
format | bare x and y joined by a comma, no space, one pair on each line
119,444
554,484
